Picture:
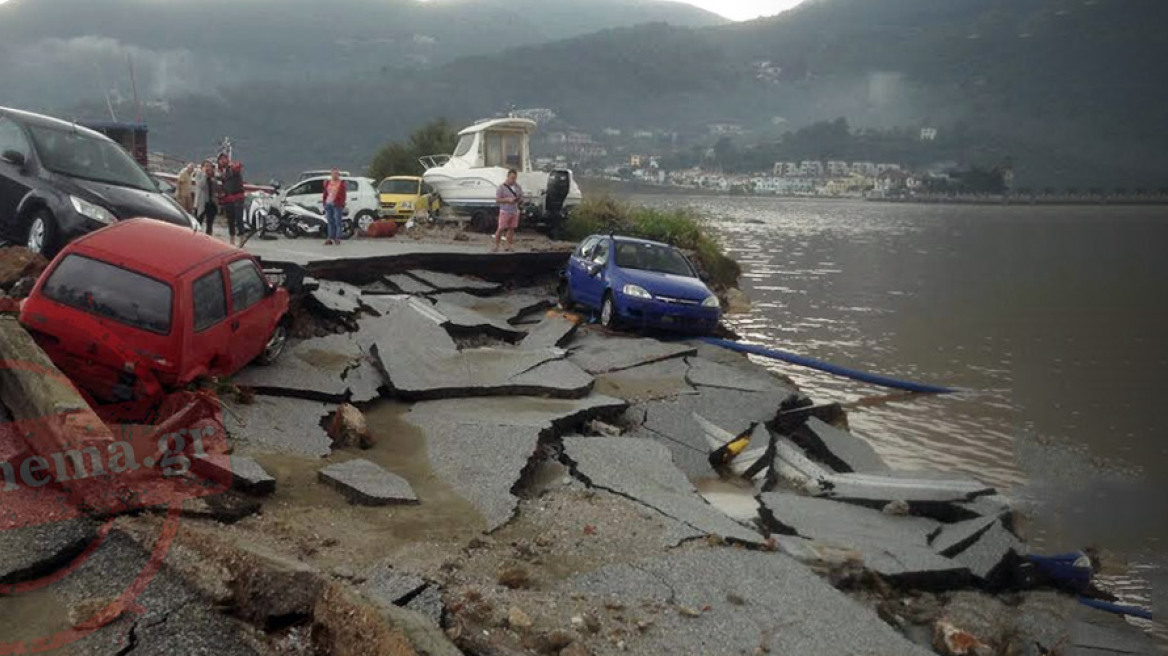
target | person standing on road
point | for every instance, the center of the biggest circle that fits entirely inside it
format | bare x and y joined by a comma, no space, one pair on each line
510,197
205,209
231,194
182,190
334,207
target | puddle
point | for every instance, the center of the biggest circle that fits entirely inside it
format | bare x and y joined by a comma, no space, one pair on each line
641,388
735,498
31,616
326,360
303,507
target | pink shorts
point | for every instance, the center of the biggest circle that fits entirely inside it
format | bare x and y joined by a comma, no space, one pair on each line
508,221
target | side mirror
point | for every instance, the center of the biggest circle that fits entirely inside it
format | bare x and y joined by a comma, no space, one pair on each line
595,269
14,157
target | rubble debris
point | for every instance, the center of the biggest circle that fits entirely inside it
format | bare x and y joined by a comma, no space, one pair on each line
790,419
348,429
952,641
643,471
30,552
226,508
18,263
706,373
838,449
429,604
602,354
22,288
246,474
517,619
337,298
793,466
333,369
555,331
778,592
894,547
279,425
448,282
482,447
364,483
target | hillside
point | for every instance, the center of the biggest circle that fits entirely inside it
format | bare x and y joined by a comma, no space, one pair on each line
1069,90
57,51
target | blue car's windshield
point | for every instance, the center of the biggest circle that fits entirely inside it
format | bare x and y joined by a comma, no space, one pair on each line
651,257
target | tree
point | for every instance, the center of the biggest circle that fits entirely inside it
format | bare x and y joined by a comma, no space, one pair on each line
434,138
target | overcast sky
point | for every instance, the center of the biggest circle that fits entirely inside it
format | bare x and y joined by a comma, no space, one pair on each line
744,9
735,9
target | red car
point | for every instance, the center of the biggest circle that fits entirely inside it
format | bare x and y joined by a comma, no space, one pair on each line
142,306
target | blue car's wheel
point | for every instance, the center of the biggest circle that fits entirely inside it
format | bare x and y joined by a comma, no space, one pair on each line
608,311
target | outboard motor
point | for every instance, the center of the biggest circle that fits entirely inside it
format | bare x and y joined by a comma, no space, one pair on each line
559,183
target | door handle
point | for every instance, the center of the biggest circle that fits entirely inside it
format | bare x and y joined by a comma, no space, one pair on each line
235,325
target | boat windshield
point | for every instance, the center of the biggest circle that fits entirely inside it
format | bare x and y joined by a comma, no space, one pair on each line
73,153
653,257
399,187
464,145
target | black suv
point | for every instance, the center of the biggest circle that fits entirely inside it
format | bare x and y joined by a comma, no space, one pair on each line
59,180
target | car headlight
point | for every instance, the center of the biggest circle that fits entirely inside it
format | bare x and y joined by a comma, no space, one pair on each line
636,291
92,211
712,302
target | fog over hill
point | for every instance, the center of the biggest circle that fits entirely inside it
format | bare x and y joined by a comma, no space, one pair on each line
1069,91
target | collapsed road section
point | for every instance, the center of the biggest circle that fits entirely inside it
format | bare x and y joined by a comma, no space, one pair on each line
441,464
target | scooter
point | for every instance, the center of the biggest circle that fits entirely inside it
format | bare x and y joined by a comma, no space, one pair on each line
300,221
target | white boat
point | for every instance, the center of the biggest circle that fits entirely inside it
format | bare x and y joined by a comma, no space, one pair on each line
468,178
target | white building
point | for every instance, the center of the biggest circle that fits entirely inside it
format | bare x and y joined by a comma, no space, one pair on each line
811,168
864,168
838,169
928,134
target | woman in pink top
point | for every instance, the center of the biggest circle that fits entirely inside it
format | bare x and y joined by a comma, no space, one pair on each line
334,207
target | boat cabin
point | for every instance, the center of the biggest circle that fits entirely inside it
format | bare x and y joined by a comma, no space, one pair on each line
495,143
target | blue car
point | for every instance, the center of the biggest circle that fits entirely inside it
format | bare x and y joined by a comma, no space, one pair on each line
638,283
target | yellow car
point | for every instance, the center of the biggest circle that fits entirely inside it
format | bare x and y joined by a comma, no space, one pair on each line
403,196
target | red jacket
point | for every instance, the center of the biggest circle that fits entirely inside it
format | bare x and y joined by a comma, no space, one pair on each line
340,202
231,183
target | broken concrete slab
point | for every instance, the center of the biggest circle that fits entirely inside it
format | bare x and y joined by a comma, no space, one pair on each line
245,474
337,298
274,424
461,321
507,308
31,552
657,380
671,421
481,372
366,484
389,586
793,466
780,606
317,369
555,331
932,494
990,554
226,508
405,284
448,282
643,470
482,447
955,538
428,603
896,547
707,373
602,354
838,449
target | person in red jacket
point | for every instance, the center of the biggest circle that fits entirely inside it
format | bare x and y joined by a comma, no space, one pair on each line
334,207
231,193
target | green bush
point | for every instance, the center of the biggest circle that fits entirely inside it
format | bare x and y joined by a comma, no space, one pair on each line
682,228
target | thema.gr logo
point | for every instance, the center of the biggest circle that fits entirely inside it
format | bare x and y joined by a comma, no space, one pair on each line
70,463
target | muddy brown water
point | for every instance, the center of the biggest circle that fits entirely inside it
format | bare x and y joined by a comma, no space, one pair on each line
1052,318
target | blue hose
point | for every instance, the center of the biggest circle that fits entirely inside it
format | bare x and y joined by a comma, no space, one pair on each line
1116,608
875,379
